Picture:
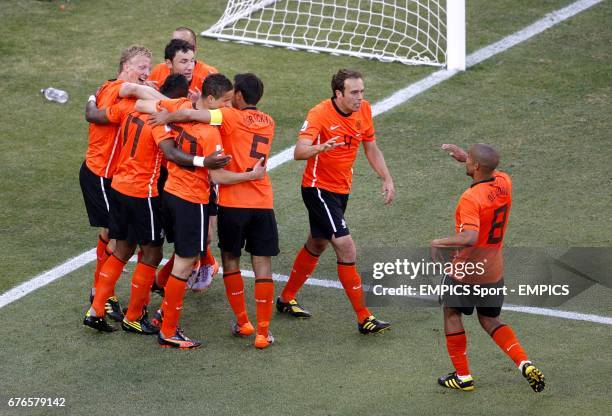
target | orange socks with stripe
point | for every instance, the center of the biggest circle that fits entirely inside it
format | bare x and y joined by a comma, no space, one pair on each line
109,274
351,282
142,280
172,305
102,255
234,290
456,345
303,266
264,301
506,339
164,273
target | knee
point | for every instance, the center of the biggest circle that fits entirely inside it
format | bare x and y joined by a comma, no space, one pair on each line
346,251
152,257
487,323
316,245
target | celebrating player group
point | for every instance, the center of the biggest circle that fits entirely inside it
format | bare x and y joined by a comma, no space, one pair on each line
179,152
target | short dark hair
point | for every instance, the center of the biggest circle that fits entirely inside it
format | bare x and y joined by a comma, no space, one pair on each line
177,45
337,82
250,86
175,86
216,85
186,29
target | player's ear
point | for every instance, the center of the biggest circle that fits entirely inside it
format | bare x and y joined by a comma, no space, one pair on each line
169,64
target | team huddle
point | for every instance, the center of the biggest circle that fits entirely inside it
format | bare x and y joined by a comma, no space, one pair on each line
179,152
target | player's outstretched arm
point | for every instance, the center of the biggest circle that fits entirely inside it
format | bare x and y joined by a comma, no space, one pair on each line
456,152
215,160
466,238
377,161
212,117
146,106
304,149
129,89
226,177
93,114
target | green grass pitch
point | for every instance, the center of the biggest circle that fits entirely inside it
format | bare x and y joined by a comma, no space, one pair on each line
545,104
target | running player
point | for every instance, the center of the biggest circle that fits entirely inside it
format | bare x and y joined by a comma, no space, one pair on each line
329,140
246,210
200,69
103,151
481,218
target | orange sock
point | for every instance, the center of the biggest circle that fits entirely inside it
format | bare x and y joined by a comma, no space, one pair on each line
208,257
456,345
110,273
172,305
234,290
142,280
264,301
101,257
506,339
164,272
351,282
303,266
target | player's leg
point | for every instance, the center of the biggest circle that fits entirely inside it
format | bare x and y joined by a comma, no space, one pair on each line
456,345
503,335
231,226
170,336
303,266
264,299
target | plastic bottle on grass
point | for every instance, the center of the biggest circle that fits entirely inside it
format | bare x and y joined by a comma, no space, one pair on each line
53,94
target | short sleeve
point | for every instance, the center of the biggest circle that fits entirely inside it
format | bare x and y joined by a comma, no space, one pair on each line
468,214
212,141
229,117
312,127
369,132
161,133
117,111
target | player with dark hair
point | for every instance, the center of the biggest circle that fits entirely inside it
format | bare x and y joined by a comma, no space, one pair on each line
246,210
329,140
481,219
103,153
200,70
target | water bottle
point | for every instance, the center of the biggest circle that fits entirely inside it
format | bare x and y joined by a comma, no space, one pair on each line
53,94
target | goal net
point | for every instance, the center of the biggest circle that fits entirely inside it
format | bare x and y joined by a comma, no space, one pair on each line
407,31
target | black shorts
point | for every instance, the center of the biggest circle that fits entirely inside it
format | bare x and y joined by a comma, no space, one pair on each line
488,305
186,225
325,212
212,202
96,196
252,228
137,220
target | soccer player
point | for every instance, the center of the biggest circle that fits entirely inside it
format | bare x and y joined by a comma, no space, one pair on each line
103,151
186,203
200,70
329,140
481,218
246,210
217,93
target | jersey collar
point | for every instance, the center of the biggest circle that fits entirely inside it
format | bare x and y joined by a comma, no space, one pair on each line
483,181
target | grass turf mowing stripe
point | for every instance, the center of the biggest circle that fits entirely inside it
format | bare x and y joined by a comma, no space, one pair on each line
386,104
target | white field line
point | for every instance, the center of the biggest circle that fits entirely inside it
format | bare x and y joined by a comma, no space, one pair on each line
387,104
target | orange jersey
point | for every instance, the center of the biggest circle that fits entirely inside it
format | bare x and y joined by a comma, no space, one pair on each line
104,144
200,72
333,170
485,207
247,135
198,139
140,159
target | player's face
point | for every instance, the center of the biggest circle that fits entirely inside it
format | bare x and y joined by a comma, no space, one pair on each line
138,69
352,96
183,63
224,101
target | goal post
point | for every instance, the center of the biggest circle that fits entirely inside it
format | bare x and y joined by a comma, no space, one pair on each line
421,32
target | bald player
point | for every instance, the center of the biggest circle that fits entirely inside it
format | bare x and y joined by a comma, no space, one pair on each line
481,218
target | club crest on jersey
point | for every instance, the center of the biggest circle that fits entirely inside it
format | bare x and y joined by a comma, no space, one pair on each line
304,126
358,124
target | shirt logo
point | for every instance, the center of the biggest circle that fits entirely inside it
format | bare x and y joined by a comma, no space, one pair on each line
343,223
304,126
334,127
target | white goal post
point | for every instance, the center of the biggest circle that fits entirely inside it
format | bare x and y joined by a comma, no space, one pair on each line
422,32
